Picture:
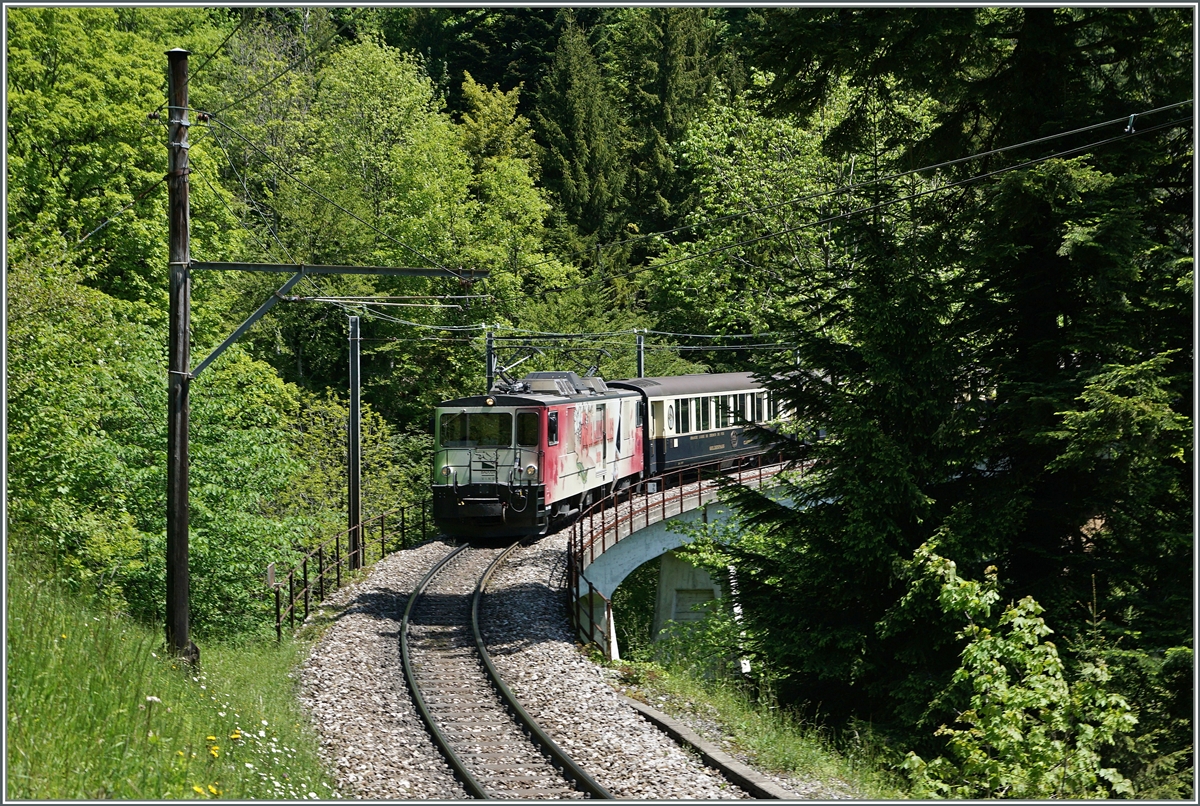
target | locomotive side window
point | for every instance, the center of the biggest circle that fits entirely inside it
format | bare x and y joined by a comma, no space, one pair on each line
527,429
759,407
552,428
488,430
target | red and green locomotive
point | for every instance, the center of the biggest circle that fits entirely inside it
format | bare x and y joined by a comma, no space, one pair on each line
529,455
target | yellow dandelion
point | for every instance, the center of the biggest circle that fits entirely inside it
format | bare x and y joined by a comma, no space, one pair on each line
64,635
215,751
211,738
198,790
213,789
179,752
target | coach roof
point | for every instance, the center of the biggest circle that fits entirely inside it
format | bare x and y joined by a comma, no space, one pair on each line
701,384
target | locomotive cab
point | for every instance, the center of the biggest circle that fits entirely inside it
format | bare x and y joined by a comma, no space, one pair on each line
527,455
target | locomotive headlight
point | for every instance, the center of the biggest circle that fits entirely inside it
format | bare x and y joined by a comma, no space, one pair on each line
531,470
446,471
490,401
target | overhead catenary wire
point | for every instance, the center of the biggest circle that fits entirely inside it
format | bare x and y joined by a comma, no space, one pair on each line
250,202
876,207
114,216
859,186
195,73
284,72
332,203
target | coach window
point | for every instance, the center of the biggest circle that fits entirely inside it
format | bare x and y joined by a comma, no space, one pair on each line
703,415
552,428
682,421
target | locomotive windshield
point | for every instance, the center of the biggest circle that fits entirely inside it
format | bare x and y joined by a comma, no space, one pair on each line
483,430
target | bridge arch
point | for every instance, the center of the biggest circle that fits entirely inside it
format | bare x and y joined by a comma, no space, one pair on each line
619,534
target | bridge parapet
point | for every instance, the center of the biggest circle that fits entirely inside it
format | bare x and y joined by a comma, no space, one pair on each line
630,512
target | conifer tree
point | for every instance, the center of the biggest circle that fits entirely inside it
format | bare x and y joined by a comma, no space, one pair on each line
668,70
581,137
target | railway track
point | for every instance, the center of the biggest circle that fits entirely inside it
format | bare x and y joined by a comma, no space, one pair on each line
495,748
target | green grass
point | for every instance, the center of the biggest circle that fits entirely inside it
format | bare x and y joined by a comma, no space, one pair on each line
775,739
95,709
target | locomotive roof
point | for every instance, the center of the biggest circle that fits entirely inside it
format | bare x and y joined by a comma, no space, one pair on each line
501,400
699,384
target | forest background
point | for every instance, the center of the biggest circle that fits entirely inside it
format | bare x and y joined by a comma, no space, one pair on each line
959,241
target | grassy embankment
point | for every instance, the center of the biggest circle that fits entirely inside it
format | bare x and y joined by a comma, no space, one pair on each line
773,738
677,675
95,709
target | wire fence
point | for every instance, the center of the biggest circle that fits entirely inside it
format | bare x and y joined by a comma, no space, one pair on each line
321,571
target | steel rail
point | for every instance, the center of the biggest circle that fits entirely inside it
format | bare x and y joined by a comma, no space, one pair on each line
564,762
473,787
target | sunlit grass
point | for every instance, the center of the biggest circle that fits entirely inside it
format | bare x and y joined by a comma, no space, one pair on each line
773,738
95,709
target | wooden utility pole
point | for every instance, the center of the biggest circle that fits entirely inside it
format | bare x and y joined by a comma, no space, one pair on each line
179,356
354,463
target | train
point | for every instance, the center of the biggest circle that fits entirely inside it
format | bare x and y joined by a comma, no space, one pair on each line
528,456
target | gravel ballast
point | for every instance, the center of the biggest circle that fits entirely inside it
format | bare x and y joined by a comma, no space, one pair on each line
372,738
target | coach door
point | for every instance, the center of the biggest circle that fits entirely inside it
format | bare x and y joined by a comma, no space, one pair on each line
602,416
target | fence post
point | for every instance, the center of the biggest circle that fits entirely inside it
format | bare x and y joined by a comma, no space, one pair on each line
321,570
403,533
292,598
382,535
278,617
305,567
337,557
423,523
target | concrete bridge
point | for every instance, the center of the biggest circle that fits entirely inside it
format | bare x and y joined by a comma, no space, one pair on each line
615,536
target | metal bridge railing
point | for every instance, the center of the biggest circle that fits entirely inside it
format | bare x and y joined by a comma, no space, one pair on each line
319,572
605,523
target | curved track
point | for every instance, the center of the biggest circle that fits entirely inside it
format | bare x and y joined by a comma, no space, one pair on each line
495,748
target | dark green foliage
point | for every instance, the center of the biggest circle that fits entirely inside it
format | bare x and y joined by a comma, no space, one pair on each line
633,611
581,138
508,47
668,68
994,366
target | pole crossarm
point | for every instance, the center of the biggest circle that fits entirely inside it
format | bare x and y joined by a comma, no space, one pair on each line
384,271
300,272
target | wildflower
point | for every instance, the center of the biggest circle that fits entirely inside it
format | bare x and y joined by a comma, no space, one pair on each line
214,751
211,738
179,752
152,698
249,766
222,713
264,721
213,789
198,790
235,735
64,635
